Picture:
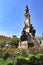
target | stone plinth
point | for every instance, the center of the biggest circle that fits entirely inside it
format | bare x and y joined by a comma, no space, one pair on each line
23,44
29,43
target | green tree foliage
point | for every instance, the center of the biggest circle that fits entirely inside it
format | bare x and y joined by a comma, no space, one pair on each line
14,42
4,39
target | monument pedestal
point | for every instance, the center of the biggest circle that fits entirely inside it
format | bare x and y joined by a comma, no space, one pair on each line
23,44
29,43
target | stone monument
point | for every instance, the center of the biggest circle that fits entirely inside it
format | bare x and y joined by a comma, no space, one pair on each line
27,39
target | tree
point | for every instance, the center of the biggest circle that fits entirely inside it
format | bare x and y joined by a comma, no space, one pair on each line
14,42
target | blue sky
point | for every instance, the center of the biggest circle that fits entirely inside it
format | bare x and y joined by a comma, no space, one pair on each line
12,16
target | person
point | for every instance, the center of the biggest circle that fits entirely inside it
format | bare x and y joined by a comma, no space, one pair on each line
27,10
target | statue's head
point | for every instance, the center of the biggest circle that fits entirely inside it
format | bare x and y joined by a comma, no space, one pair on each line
26,6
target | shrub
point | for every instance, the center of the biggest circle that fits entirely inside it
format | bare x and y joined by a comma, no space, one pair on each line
2,61
10,64
39,57
5,55
22,61
14,42
8,61
24,52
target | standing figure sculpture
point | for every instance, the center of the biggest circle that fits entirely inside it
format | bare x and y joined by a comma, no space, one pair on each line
26,10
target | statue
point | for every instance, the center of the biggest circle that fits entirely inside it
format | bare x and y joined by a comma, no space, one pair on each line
23,36
32,30
26,10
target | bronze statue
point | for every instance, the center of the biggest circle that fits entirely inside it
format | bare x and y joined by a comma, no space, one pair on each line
27,10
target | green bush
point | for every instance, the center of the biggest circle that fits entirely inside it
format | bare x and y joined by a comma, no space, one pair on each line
14,42
10,64
24,52
39,57
22,61
8,61
32,59
5,55
2,61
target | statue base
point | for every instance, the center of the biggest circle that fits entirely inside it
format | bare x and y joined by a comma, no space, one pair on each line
27,44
